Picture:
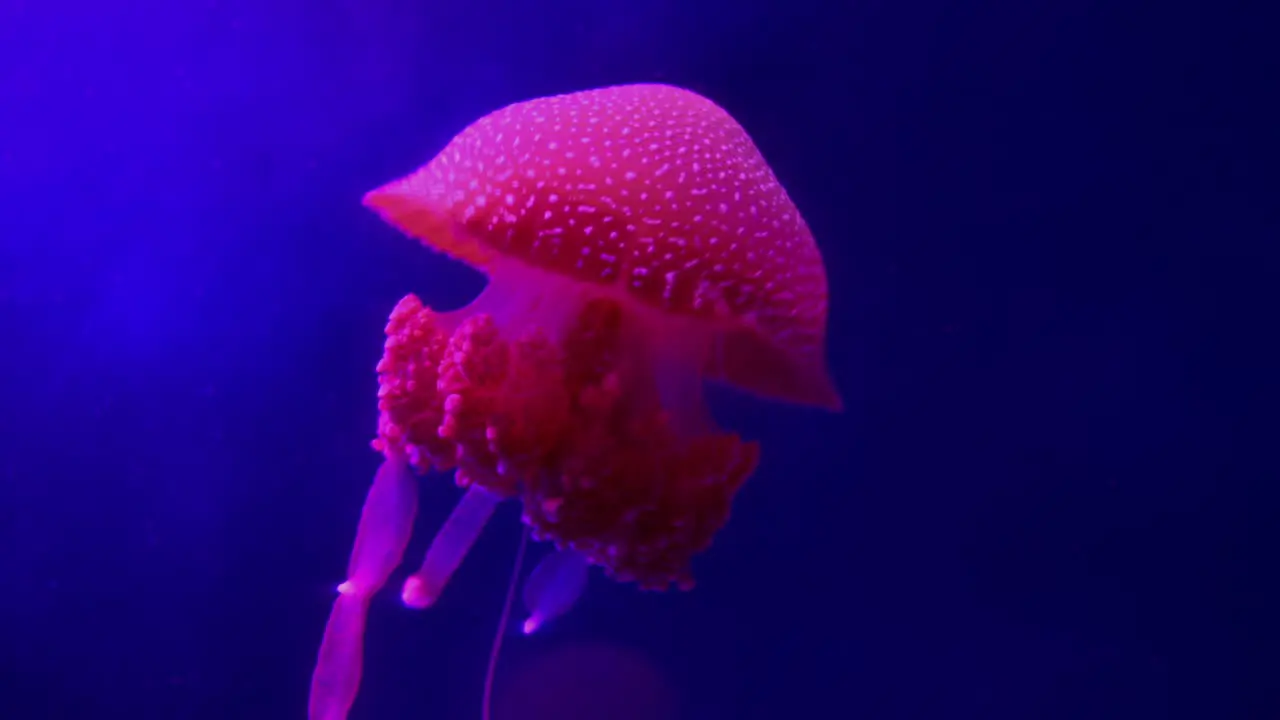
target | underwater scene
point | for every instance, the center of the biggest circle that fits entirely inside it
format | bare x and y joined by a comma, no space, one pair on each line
574,360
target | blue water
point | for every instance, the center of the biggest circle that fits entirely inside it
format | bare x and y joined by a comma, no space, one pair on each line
1024,512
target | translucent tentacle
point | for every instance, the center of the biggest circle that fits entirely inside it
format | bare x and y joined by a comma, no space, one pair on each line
502,626
337,675
448,548
385,524
554,587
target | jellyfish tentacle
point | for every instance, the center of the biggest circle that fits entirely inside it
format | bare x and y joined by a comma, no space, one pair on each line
336,679
381,536
496,648
386,522
449,546
554,587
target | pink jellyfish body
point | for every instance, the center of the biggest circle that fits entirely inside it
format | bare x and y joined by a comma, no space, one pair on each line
636,243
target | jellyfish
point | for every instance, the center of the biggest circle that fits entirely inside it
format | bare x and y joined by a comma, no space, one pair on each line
636,245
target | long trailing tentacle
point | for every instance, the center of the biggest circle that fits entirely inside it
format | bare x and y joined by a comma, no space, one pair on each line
502,626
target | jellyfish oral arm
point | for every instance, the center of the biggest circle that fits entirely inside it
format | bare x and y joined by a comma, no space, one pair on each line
385,524
448,548
337,675
554,587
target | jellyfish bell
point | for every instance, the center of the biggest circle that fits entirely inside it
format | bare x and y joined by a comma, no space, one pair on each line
636,244
650,195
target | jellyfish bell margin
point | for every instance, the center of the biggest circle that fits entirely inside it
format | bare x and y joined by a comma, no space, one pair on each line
566,385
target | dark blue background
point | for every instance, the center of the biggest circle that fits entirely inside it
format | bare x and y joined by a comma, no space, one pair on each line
1040,224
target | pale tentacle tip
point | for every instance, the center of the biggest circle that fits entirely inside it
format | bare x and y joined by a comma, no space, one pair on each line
532,624
416,594
347,588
